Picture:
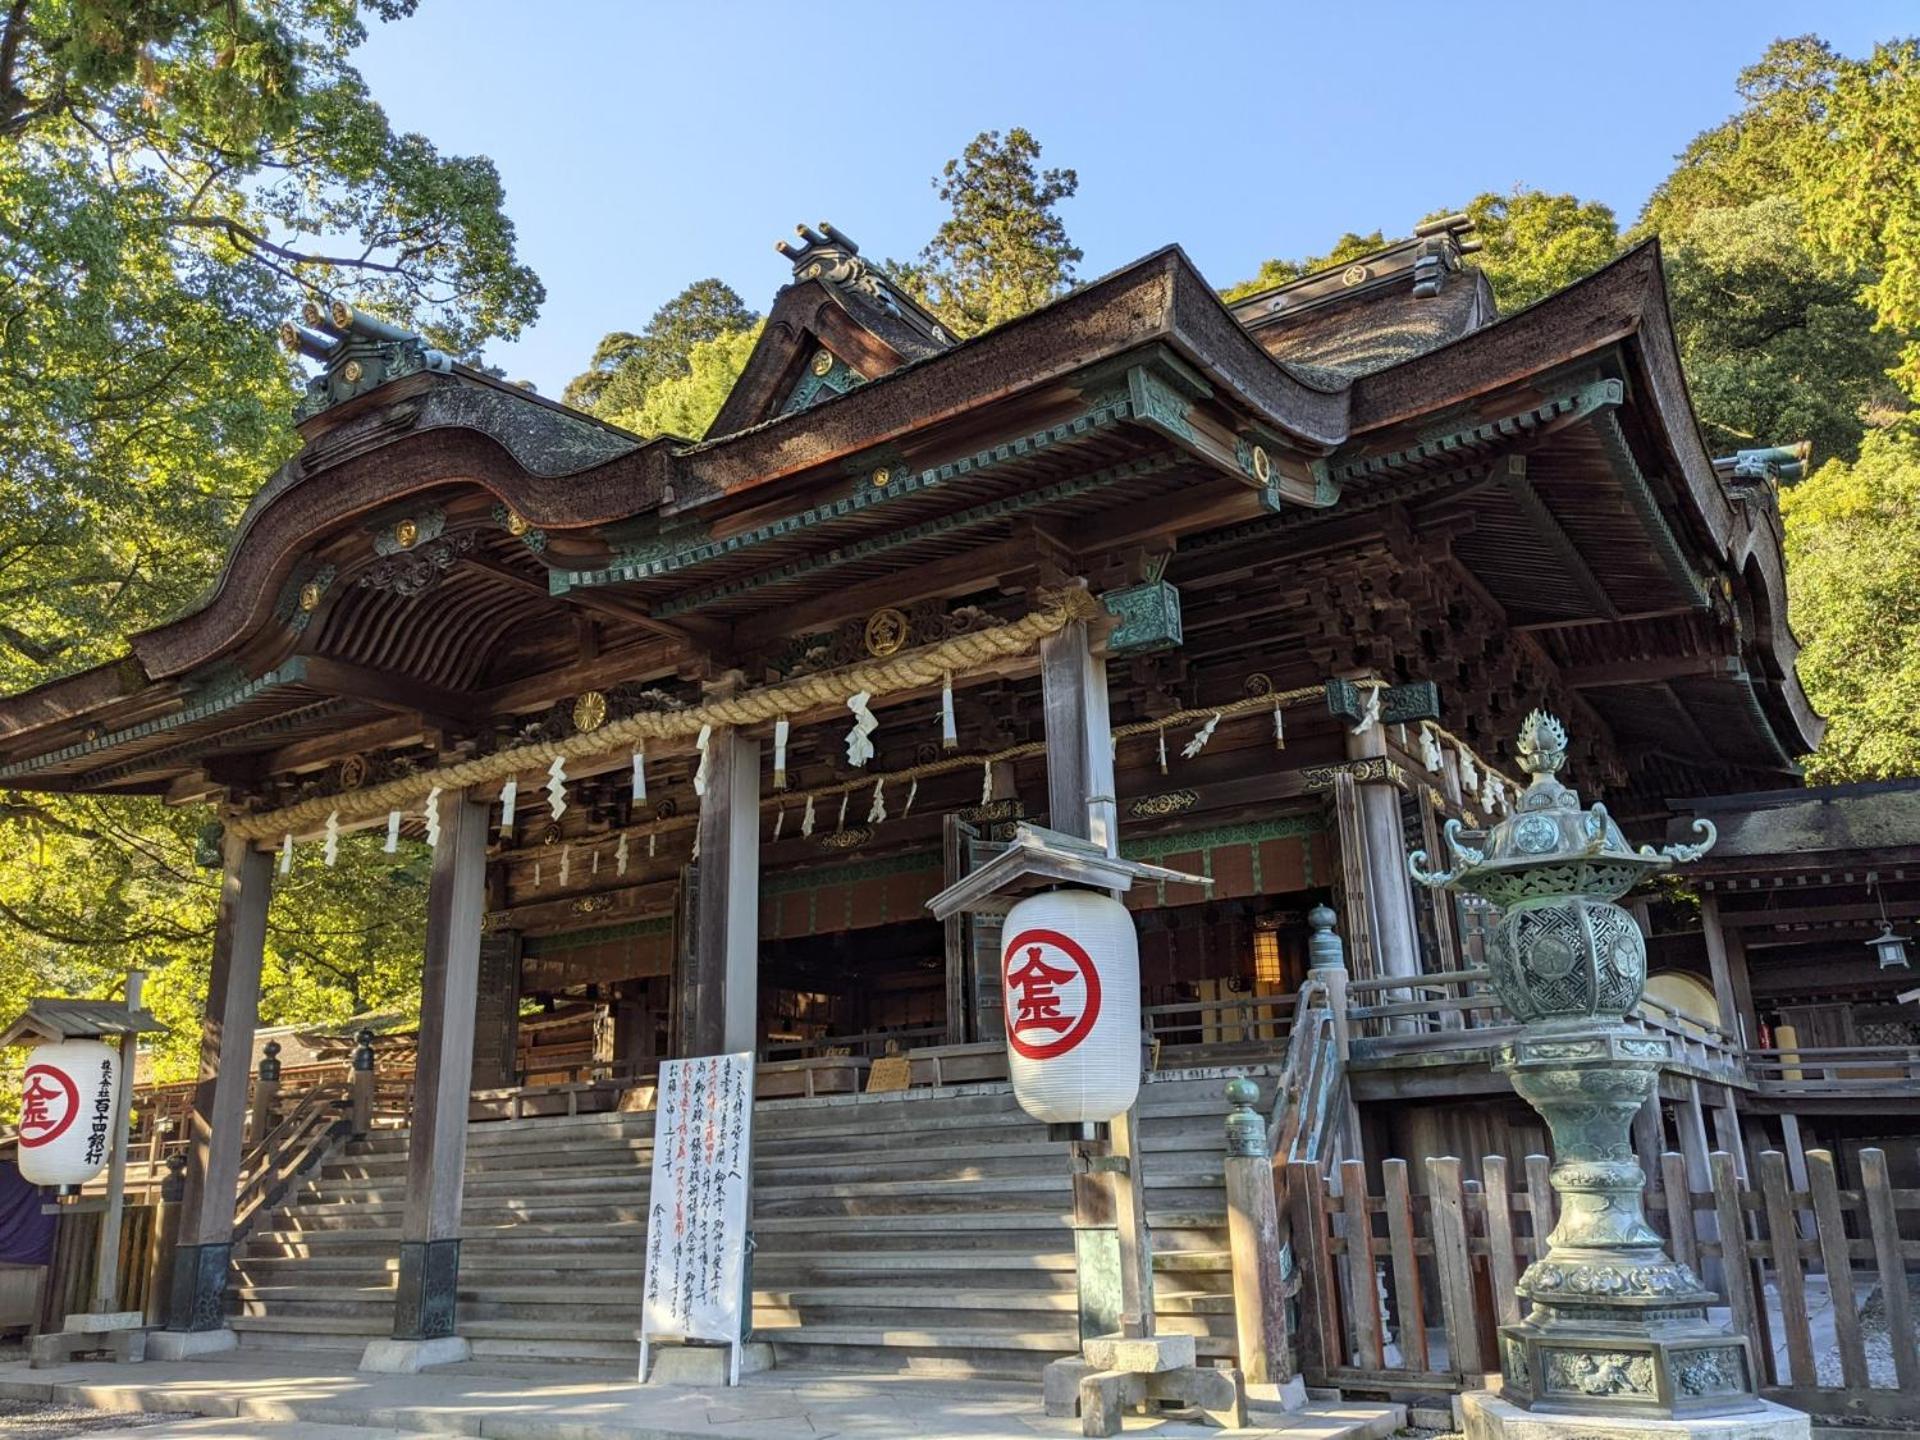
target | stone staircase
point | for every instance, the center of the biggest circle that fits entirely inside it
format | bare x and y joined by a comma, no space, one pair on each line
926,1231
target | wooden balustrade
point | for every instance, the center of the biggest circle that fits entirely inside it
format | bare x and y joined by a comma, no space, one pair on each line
1403,1291
1836,1070
1251,1020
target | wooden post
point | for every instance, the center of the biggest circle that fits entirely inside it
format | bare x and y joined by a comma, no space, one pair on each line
1890,1260
1453,1261
1784,1241
362,1084
1501,1272
1836,1257
1322,1343
166,1236
1744,1313
1363,1281
266,1094
1396,933
1253,1238
217,1125
1699,1176
723,992
1727,959
423,1306
106,1271
1080,802
1409,1294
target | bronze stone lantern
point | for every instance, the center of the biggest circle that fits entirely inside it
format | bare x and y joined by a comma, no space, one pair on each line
1617,1327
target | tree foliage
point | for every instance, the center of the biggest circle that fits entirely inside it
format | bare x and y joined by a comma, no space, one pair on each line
1003,249
1348,248
175,176
1534,242
1853,551
626,366
686,404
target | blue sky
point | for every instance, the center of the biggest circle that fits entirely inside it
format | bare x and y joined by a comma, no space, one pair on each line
645,145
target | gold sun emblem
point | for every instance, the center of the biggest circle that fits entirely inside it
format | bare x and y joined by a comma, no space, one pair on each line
1262,465
1354,275
352,371
886,633
310,594
516,523
590,711
405,533
822,362
882,477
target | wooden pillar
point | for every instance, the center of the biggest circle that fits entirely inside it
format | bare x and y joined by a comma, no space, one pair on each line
722,989
1109,1212
1649,1139
1080,787
1726,1130
1727,959
1691,1115
1395,931
217,1125
437,1143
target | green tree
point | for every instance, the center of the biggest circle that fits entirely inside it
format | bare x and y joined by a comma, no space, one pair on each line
175,177
626,366
686,404
1003,249
1348,248
1853,540
1534,242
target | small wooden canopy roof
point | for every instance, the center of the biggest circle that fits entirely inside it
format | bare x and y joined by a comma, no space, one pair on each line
47,1020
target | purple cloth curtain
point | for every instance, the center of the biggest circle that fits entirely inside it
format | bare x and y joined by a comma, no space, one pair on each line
26,1236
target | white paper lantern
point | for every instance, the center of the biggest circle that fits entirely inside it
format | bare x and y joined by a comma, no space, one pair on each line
66,1112
1070,976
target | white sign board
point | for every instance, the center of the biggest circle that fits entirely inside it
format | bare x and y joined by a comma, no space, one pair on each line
697,1207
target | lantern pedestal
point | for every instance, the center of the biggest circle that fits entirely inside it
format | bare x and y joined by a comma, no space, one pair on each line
1489,1417
119,1333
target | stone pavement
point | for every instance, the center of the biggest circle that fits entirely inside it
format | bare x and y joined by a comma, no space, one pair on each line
263,1396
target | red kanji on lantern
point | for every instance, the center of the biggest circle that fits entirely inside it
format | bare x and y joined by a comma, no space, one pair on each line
1041,968
48,1104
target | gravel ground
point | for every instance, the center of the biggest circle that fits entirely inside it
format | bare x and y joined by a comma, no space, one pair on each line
1875,1340
31,1420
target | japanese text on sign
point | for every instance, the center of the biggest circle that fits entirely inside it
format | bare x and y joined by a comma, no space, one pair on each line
697,1207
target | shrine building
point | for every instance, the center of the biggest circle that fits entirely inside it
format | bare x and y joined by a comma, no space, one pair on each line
698,725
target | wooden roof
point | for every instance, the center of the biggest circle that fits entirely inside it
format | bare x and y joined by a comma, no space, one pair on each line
1541,472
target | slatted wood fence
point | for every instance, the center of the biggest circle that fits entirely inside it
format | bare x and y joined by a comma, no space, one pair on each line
1403,1290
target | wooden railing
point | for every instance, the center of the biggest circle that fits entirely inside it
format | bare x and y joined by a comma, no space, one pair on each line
318,1123
869,1043
1403,1290
1252,1020
1836,1071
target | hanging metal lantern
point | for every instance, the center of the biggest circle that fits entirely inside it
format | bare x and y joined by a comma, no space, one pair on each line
67,1102
1070,973
1888,948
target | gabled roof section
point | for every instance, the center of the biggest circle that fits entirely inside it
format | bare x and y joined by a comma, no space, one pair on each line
1378,310
841,323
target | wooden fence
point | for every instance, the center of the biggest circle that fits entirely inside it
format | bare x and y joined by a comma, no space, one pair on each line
145,1256
1404,1290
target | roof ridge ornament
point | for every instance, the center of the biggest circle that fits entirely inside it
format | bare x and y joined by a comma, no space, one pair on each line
359,352
831,256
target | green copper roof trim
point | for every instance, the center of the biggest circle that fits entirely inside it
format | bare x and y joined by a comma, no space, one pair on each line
251,730
1185,842
539,947
861,497
815,877
1575,404
1619,454
814,387
291,673
940,525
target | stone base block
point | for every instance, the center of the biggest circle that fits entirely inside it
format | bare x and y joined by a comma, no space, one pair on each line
187,1344
1060,1386
89,1320
1289,1397
410,1357
1106,1396
704,1365
1146,1356
1488,1417
127,1346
